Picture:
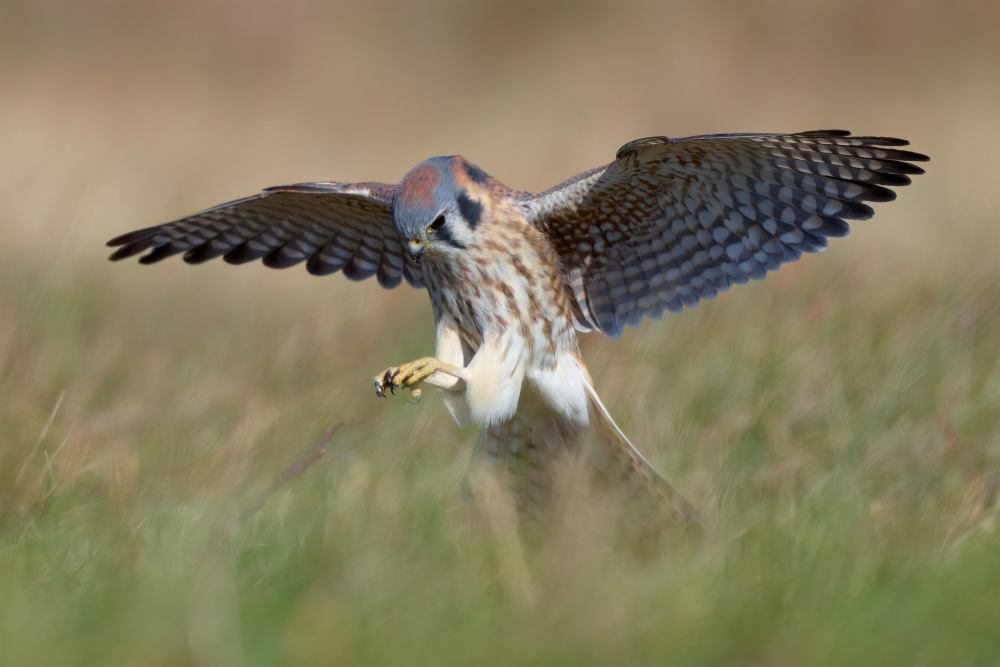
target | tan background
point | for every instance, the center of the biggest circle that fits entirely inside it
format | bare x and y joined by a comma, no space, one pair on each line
115,115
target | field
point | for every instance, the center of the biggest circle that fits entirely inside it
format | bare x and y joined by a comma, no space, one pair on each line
838,423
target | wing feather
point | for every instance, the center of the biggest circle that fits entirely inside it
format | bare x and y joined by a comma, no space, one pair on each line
330,226
672,222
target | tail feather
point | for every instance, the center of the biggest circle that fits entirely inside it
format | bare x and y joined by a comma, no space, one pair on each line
618,446
512,448
527,450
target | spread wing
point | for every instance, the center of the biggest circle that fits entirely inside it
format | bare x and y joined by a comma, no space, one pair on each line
329,226
671,222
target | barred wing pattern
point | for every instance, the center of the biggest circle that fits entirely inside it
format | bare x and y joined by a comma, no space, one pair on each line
330,226
671,222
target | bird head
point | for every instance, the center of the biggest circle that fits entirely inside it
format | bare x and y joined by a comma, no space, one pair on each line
440,204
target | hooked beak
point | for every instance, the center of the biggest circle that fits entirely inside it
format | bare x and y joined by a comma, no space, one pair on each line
416,246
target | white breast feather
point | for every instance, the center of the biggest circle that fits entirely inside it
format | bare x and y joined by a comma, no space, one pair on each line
495,375
449,350
563,387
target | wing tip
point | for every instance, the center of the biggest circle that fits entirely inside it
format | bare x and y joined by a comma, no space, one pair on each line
122,253
132,237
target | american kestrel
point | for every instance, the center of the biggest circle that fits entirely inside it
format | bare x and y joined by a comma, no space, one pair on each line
513,275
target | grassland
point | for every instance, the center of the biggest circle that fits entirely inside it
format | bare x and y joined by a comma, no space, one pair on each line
846,523
839,423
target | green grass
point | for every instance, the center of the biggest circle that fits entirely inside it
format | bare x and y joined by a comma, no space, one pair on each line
808,416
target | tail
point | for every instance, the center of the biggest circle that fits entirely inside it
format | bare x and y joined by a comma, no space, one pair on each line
528,448
623,455
524,458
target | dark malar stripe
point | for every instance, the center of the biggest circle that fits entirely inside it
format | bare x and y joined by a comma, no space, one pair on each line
444,234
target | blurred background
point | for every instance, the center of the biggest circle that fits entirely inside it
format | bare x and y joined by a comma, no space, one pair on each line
125,114
137,404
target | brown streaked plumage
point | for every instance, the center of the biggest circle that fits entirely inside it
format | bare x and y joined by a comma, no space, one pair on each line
512,275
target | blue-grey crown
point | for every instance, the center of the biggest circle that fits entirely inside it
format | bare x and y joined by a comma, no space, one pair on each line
420,196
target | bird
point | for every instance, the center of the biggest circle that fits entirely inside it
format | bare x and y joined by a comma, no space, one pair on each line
514,276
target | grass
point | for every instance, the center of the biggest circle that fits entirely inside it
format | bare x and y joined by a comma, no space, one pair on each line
840,440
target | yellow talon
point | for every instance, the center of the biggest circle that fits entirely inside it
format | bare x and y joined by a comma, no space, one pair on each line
410,375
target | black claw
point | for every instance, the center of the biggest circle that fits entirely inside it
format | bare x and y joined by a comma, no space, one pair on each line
378,390
392,388
392,380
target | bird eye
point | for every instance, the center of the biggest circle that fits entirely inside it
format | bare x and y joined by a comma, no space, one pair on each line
437,224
